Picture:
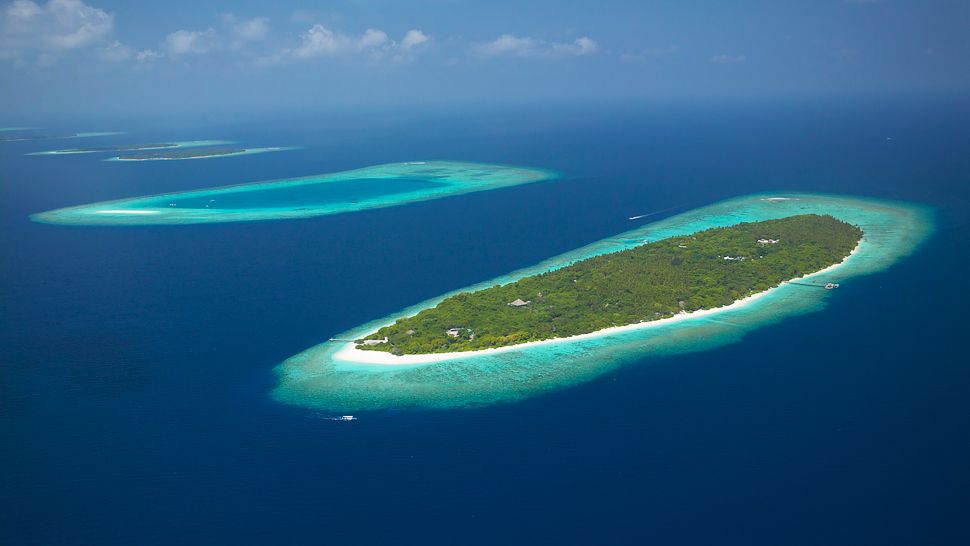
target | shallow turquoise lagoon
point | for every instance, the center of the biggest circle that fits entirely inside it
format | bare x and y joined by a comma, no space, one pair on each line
317,378
335,193
340,191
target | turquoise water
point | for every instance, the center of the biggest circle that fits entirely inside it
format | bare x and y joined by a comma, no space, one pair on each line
316,378
341,191
335,193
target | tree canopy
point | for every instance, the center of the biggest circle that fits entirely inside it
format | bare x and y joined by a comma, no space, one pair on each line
656,280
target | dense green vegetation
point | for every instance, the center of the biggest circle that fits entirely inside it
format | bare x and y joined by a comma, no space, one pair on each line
183,153
708,269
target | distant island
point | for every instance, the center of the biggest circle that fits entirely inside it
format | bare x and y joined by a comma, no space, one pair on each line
709,269
197,153
135,147
37,136
180,154
120,148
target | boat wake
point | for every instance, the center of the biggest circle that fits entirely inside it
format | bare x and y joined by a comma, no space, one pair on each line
327,417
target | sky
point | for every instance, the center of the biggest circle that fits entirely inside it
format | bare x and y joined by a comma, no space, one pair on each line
178,56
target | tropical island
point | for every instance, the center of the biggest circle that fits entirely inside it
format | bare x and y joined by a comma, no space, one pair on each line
657,280
118,148
34,136
180,154
134,147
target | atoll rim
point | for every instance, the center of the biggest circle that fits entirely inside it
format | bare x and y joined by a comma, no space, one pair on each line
321,378
335,193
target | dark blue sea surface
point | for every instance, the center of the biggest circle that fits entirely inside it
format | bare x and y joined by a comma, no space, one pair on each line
136,363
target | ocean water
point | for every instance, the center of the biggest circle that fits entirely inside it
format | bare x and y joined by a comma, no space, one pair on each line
138,362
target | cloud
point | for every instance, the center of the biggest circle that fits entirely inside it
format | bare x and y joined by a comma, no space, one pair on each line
48,30
515,46
372,38
729,59
414,38
233,34
184,42
119,52
147,55
650,53
320,41
244,31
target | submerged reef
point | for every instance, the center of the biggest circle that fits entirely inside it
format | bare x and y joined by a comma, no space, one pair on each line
326,377
335,193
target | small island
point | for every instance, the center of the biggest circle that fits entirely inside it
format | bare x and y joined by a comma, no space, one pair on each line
180,154
134,147
657,280
196,153
38,136
119,148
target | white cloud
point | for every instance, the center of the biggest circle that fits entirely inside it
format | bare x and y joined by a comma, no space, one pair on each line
372,38
245,31
147,55
252,30
414,38
729,59
234,34
320,41
119,52
183,42
510,45
48,30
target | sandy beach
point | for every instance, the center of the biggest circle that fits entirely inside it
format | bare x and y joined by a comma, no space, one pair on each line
350,353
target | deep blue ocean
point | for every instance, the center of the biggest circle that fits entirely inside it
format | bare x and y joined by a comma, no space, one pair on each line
136,363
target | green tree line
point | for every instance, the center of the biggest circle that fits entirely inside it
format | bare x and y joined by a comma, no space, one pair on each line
656,280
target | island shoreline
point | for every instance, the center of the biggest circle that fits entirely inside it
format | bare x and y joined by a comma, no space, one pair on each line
349,353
